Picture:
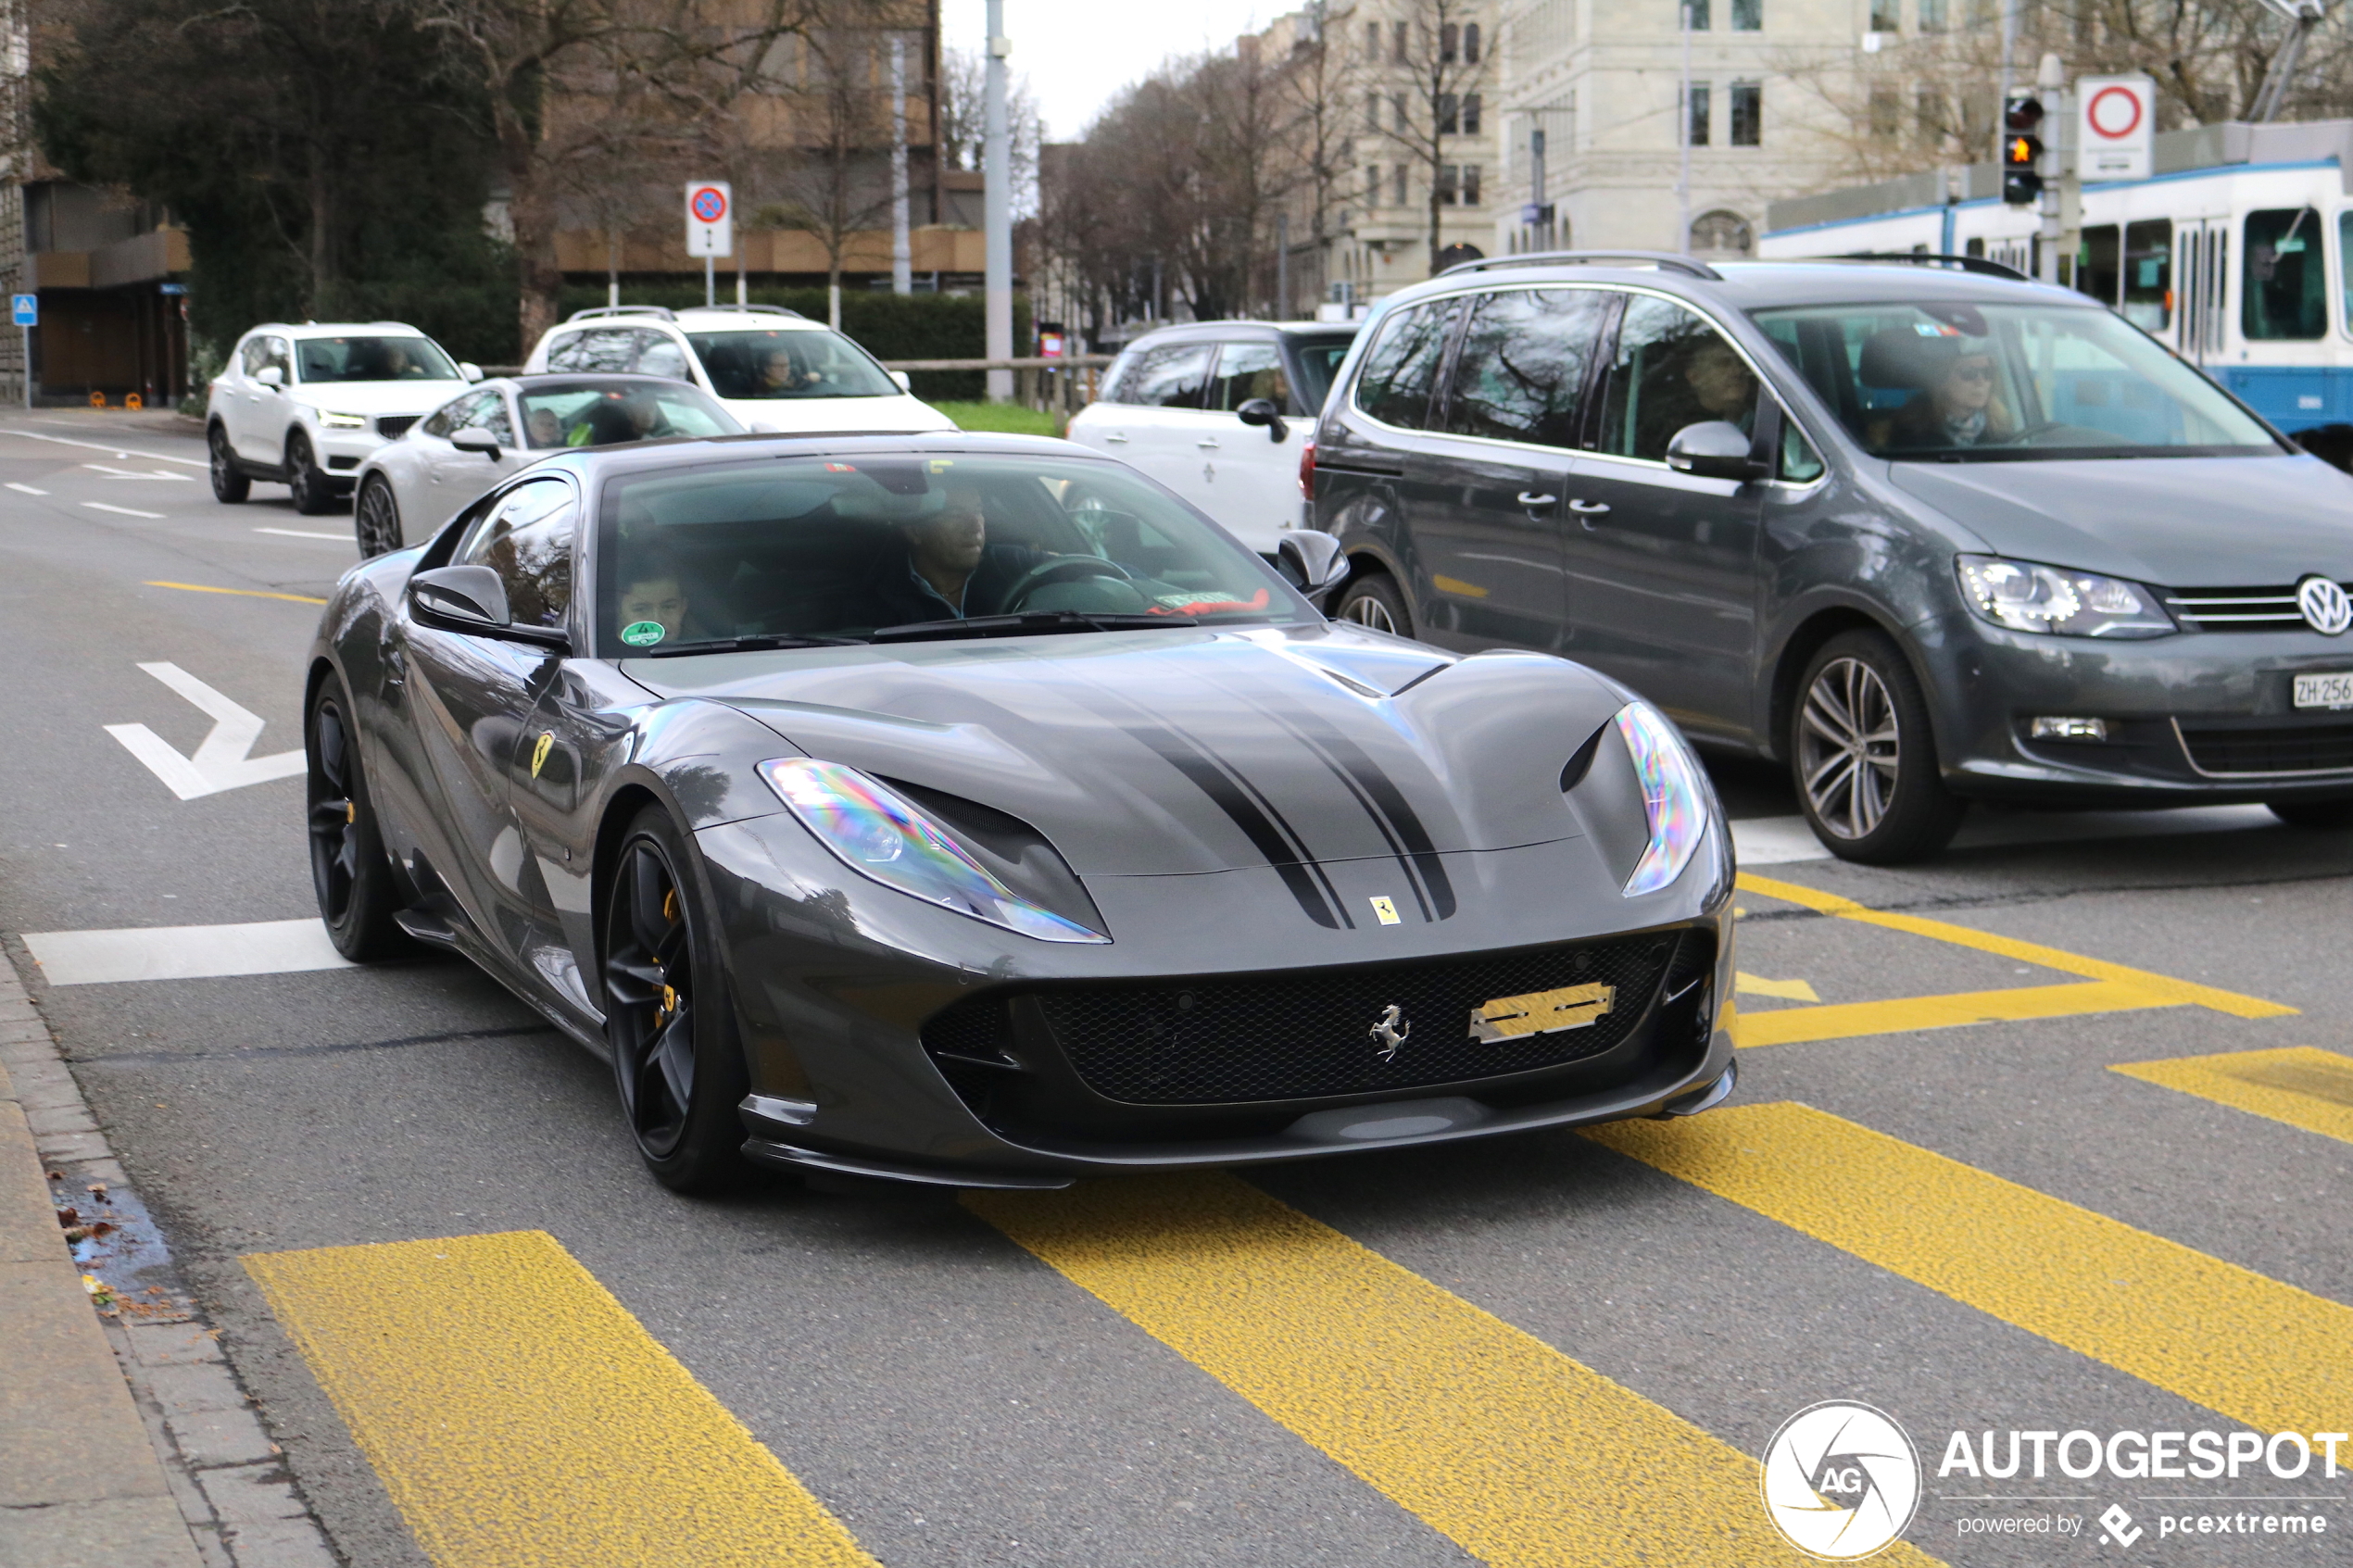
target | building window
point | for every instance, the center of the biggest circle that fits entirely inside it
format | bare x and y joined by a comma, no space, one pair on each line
1372,111
1448,183
1470,184
1399,184
1470,43
1449,39
1887,113
1397,42
1401,121
1371,184
1470,114
1697,120
1931,16
1450,117
1695,14
1372,43
1748,16
1929,113
1887,15
1722,234
1748,113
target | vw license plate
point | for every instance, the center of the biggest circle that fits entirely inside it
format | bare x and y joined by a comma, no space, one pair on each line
2331,690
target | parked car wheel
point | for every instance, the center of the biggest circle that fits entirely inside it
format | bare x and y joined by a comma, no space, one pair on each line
313,492
1863,757
1373,600
2335,814
376,517
349,869
667,1014
229,484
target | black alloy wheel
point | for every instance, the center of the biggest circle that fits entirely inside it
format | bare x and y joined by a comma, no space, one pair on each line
2322,814
349,869
376,517
1373,600
680,1071
229,484
1862,755
314,493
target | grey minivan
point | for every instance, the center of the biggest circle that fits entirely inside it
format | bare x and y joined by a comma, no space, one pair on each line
1928,533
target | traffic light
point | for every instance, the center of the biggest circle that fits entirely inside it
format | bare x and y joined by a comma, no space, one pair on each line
2021,149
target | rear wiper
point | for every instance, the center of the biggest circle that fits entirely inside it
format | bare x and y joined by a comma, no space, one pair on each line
746,644
1024,625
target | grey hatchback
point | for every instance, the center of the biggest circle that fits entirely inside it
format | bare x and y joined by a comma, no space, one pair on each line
1926,533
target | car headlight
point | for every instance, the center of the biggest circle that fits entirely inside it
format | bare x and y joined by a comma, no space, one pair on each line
343,422
877,834
2023,596
1674,795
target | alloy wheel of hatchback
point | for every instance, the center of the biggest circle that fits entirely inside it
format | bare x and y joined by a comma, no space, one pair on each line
376,519
229,484
1864,759
1372,601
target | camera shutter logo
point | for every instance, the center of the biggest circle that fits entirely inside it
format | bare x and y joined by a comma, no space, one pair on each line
1840,1481
2327,608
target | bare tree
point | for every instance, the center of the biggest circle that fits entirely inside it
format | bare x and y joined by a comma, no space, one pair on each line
1318,85
1441,62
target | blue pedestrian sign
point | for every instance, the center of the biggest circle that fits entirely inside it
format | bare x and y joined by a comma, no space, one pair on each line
27,307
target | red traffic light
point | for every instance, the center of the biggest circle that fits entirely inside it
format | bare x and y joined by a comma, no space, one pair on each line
2023,114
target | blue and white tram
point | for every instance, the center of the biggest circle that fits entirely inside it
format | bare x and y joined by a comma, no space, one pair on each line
2240,268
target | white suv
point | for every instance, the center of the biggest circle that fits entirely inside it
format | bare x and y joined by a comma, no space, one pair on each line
771,368
303,406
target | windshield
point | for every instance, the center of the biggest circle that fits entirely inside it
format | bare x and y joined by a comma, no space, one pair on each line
601,413
816,548
807,363
1961,383
1318,358
374,359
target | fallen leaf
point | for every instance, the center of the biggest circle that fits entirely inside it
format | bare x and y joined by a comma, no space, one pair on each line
68,1216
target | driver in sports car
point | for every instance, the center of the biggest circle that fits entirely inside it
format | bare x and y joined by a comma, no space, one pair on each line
950,570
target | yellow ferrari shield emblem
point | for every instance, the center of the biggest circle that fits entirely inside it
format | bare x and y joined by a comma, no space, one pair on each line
1541,1012
539,752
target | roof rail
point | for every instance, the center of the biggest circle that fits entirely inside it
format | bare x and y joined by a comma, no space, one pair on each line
754,309
658,312
1665,260
1983,267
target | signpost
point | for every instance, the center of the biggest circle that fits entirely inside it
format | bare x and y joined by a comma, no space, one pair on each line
26,308
2115,134
711,230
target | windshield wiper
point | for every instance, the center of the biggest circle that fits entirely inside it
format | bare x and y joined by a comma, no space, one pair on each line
1024,625
747,645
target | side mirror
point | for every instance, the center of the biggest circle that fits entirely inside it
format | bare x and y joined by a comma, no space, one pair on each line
270,375
906,384
470,598
469,369
1714,449
1310,561
473,438
1262,412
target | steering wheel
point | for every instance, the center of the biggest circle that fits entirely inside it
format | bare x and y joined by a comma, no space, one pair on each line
1061,569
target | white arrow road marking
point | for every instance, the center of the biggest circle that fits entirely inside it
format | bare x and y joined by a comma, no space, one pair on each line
25,488
125,511
184,952
220,760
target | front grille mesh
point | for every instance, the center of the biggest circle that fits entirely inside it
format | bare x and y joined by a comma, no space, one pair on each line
2303,748
2237,609
1307,1036
392,426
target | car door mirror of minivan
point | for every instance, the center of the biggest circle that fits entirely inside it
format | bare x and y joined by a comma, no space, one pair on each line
473,438
270,375
1714,449
1262,412
470,598
1310,561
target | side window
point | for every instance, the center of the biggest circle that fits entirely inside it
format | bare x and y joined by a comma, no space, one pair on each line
448,416
563,353
493,417
610,349
281,356
254,354
1395,384
2149,274
658,355
1800,464
1520,373
1119,378
1671,369
260,352
474,409
527,540
2283,294
1247,370
1170,378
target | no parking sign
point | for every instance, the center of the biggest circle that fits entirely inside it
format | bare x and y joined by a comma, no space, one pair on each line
709,229
2116,122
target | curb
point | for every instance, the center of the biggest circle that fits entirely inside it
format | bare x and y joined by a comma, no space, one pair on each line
125,1437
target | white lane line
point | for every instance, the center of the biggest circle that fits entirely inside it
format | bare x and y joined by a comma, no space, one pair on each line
220,760
1780,841
26,489
105,446
112,473
126,511
184,952
306,533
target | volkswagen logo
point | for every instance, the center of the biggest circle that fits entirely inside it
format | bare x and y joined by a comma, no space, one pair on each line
2327,609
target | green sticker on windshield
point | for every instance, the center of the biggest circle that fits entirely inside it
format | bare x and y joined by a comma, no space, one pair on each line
643,633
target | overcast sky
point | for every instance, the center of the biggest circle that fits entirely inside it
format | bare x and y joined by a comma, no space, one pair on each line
1078,54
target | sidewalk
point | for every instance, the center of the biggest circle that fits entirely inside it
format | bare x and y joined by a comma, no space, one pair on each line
124,1438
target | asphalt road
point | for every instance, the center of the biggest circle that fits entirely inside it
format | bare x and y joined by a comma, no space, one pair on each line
1988,1230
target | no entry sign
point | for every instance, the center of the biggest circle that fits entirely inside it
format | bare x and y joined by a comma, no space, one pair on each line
2115,124
708,230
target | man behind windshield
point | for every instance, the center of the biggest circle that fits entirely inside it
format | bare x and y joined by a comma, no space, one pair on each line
949,569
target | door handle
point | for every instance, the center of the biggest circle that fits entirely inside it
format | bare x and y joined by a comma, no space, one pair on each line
1116,439
1591,508
1531,502
1207,443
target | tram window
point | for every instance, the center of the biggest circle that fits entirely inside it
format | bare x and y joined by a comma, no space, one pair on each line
2149,274
1976,248
2096,267
2283,290
2344,237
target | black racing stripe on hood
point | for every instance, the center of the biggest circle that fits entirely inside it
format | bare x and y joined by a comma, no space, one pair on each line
1260,822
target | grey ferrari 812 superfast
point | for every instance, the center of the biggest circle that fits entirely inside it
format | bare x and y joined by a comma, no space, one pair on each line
971,810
